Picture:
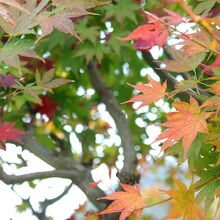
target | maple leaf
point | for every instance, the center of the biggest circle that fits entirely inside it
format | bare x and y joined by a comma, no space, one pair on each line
191,46
183,203
11,51
205,6
127,202
25,22
6,13
183,62
85,4
215,87
15,4
61,21
213,101
151,93
47,82
7,81
8,132
148,35
185,85
184,124
47,107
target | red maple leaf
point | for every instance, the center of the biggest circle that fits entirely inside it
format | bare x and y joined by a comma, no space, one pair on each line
148,35
48,107
8,132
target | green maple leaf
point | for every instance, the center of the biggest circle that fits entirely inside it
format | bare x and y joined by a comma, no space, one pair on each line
90,51
87,33
122,10
47,82
14,48
205,6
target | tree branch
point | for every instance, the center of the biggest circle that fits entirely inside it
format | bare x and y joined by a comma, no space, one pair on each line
48,202
16,179
130,160
66,168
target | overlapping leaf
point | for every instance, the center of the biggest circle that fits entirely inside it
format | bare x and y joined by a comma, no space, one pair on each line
215,87
205,6
25,22
128,202
148,35
195,43
60,21
11,51
47,82
121,11
184,124
6,13
185,85
183,62
151,93
183,203
85,4
213,101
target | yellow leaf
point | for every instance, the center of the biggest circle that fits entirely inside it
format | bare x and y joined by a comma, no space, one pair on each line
183,203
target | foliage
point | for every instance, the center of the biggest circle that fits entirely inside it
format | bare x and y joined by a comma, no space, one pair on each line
61,60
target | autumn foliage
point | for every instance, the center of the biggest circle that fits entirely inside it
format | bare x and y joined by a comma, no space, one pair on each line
59,59
128,202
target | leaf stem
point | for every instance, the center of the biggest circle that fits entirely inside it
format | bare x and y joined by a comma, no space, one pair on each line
196,189
158,203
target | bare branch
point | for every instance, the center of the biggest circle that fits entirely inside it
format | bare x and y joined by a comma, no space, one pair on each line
14,179
66,168
48,202
29,143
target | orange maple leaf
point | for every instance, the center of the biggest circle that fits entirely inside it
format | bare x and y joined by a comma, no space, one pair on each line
213,101
215,87
183,203
184,124
128,202
151,93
